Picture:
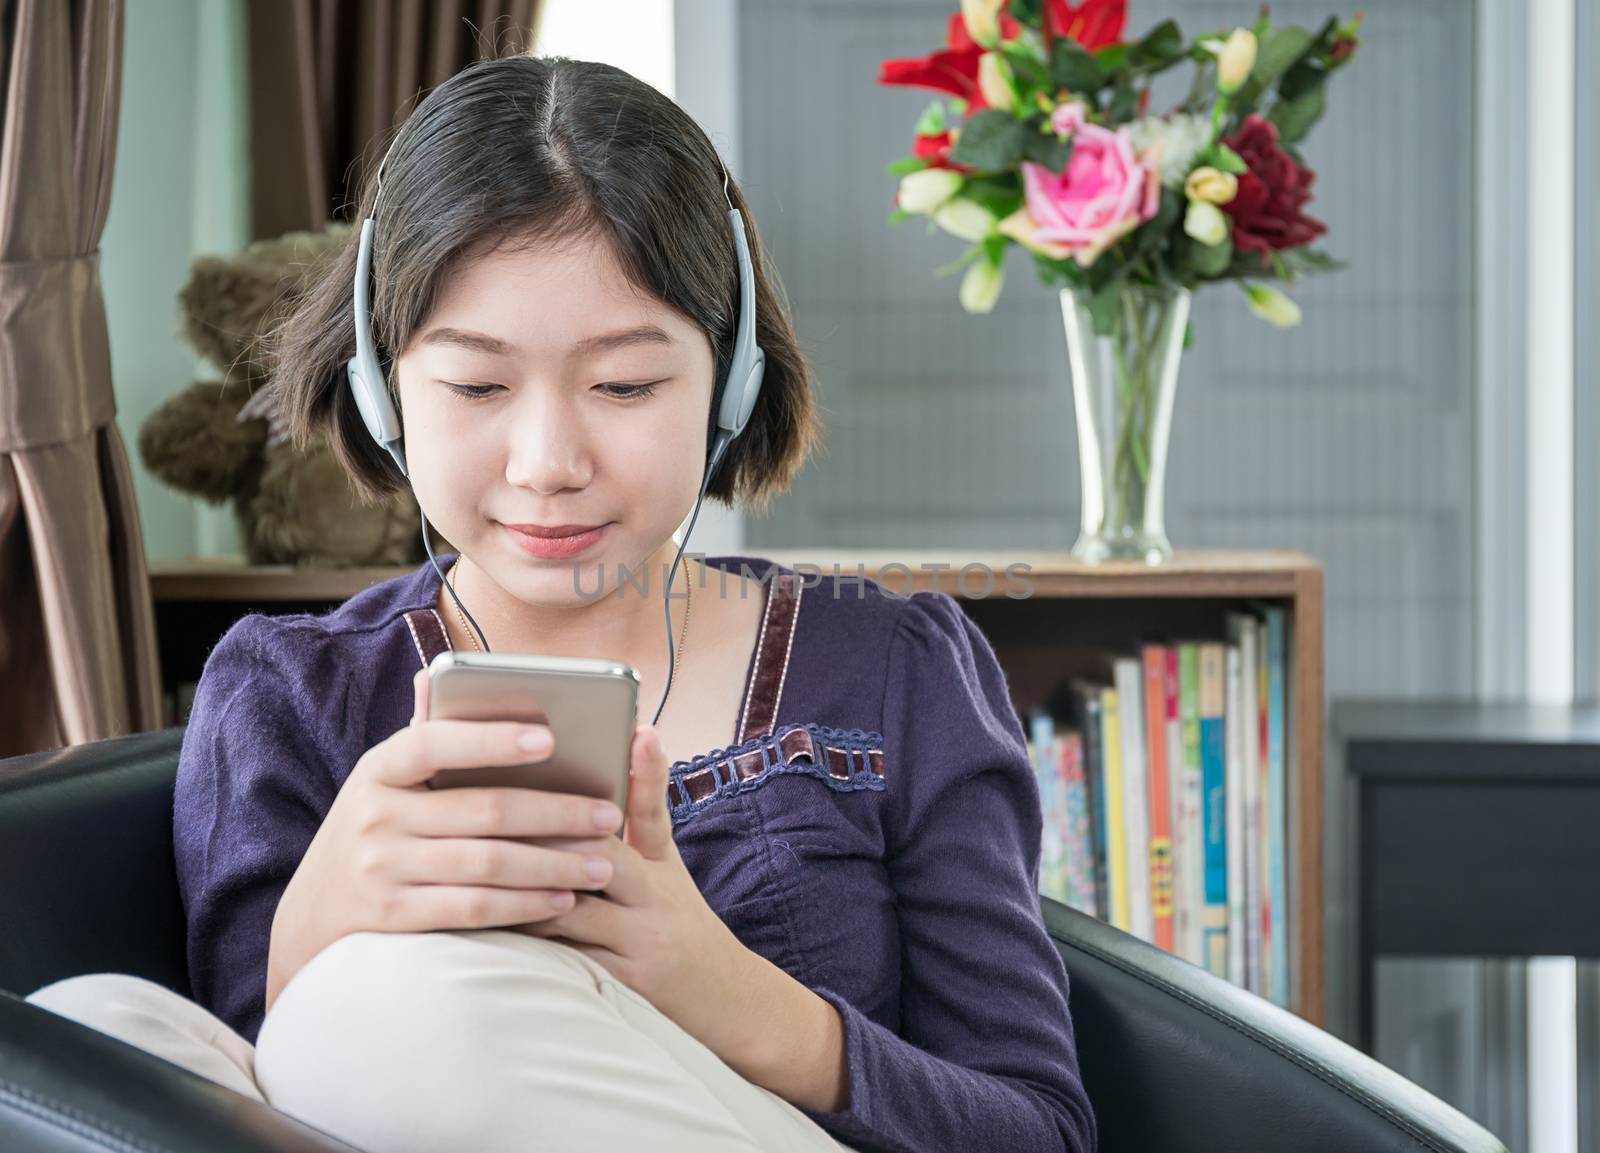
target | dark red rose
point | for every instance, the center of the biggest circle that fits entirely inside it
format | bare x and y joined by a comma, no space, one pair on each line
1267,210
954,70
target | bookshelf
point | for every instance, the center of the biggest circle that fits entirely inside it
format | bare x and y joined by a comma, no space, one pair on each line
1072,616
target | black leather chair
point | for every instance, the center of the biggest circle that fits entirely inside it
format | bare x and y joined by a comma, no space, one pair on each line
1173,1057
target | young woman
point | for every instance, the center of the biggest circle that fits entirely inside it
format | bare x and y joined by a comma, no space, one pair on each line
821,927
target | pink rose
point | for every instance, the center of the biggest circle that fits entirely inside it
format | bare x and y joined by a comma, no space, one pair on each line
1068,118
1104,193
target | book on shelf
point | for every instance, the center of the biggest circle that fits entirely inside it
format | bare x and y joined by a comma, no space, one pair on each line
1164,789
1214,812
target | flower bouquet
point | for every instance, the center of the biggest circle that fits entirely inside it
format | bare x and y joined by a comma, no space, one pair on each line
1046,140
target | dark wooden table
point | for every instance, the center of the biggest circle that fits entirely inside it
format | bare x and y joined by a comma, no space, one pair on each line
1478,831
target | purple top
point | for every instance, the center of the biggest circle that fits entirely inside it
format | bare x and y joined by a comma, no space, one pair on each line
873,829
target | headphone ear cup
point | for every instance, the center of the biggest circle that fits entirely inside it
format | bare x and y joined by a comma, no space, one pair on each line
372,400
752,387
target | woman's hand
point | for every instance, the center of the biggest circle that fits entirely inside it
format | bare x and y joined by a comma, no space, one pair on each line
394,855
651,928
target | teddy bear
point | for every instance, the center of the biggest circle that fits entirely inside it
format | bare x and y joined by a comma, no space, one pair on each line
224,440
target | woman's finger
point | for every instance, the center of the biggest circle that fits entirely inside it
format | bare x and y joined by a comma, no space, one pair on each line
423,908
505,811
501,863
411,755
419,697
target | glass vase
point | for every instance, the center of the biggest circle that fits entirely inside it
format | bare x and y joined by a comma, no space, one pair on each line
1123,381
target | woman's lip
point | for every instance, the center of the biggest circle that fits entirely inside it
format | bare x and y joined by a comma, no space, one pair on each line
549,531
555,547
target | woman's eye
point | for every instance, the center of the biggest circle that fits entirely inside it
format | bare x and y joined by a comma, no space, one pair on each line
470,391
629,391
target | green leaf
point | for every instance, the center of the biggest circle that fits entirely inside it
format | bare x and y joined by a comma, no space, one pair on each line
1103,306
1225,159
1300,79
1296,262
1074,69
1026,12
1027,65
1210,261
1188,335
1282,47
1001,195
1294,118
990,141
931,122
900,214
907,164
1048,149
958,107
1150,235
1124,104
1161,46
972,253
1112,56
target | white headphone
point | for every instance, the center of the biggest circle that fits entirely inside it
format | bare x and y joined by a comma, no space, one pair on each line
746,367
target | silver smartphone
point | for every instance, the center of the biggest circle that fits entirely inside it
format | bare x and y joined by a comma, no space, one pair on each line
589,704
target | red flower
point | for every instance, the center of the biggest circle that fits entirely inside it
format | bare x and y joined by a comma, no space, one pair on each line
1266,212
954,70
1093,23
936,150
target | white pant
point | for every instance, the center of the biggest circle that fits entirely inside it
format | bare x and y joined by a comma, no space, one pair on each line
485,1040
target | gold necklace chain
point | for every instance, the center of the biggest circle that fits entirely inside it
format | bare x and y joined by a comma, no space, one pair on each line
683,635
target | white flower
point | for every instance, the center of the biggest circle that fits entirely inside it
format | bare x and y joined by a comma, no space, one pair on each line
994,81
1272,306
926,189
980,287
982,18
965,218
1235,59
1205,223
1182,136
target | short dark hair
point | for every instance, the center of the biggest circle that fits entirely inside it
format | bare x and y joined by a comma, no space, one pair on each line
543,148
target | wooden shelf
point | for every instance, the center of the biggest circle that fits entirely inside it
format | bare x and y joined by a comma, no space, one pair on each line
1055,574
1044,613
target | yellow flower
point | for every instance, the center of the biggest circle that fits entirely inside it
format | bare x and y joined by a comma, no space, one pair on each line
1211,185
1234,61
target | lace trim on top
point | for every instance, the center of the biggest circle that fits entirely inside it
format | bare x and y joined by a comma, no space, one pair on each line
845,759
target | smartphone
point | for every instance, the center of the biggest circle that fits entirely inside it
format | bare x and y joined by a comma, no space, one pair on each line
590,705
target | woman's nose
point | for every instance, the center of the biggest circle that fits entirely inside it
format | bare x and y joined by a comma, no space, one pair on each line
548,451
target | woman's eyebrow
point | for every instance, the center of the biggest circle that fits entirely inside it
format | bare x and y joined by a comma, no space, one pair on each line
493,346
643,334
471,341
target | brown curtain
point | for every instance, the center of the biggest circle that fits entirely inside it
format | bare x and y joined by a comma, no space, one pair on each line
77,629
328,78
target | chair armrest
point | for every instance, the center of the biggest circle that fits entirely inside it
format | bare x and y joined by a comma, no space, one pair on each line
65,1086
1176,1058
88,883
